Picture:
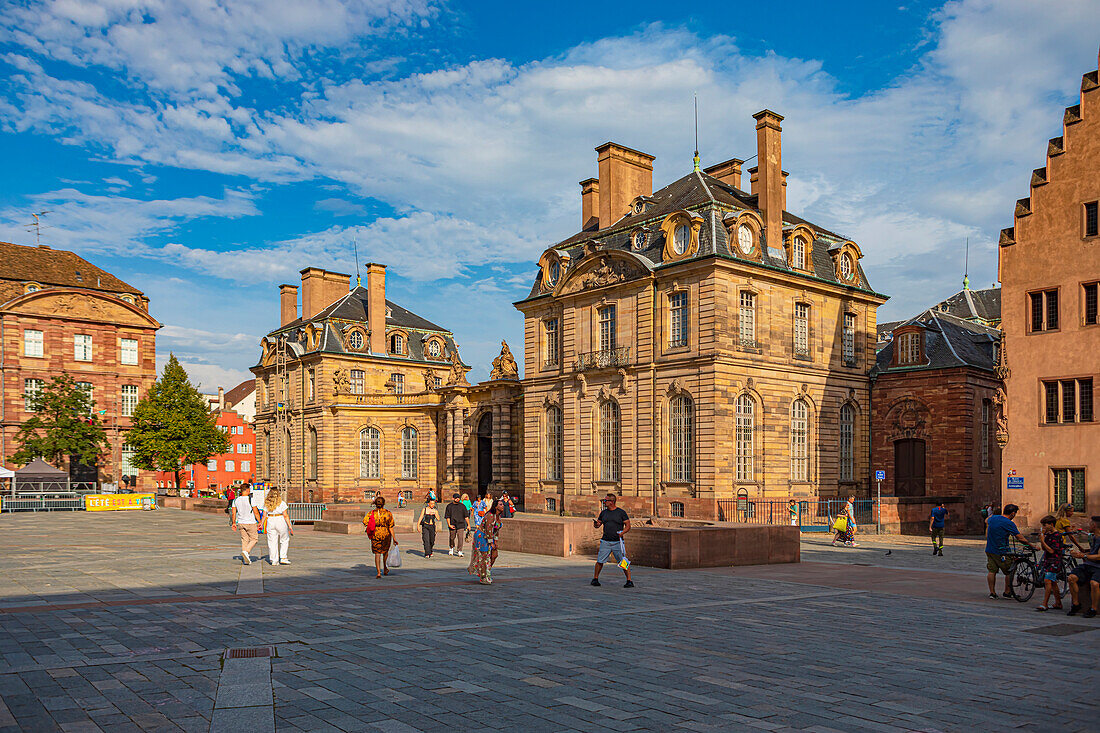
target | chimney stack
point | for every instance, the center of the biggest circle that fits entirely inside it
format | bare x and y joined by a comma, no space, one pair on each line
288,304
770,174
625,174
221,398
728,172
376,306
321,289
590,204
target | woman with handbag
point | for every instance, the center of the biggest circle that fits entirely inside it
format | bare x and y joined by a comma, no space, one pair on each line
845,524
429,517
380,530
277,527
485,544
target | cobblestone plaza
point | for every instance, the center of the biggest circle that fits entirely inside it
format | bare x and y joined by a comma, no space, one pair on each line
120,621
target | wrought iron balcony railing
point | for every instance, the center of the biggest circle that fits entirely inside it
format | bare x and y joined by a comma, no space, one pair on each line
676,343
608,358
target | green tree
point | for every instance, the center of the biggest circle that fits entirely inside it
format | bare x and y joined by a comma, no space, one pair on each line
63,425
172,425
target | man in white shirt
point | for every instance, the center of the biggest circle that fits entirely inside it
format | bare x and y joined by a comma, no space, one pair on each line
245,518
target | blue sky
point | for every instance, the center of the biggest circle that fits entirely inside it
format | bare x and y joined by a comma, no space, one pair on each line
207,151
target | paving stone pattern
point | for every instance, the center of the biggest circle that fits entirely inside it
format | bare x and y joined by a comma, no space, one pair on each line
427,649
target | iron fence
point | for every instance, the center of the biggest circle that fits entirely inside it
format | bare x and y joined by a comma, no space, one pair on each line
304,512
810,515
616,357
43,504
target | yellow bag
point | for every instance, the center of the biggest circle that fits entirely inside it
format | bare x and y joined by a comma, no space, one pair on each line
841,524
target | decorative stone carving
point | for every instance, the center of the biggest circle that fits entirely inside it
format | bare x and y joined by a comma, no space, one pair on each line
582,385
1001,370
504,366
341,382
429,380
458,371
908,418
1000,401
676,388
607,272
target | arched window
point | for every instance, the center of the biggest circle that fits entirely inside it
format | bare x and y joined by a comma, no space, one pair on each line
610,434
798,253
847,434
800,447
313,453
554,446
680,434
410,451
397,344
270,456
434,349
288,459
746,427
370,449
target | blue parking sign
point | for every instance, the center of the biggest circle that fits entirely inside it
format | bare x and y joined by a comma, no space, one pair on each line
880,475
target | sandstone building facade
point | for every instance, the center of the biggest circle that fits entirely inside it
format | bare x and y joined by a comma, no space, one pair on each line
1050,271
936,389
60,313
695,343
357,395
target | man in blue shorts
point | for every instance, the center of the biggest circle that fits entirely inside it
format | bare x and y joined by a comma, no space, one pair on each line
615,524
998,555
936,523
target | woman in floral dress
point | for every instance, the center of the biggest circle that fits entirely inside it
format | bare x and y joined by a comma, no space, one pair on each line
485,545
382,535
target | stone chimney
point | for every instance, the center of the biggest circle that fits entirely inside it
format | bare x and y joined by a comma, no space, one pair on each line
625,174
221,398
770,174
320,289
590,204
376,306
336,286
288,304
728,172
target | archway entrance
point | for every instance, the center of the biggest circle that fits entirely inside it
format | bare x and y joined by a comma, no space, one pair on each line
909,467
484,453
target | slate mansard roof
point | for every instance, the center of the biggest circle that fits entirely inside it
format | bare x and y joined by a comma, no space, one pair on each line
352,310
712,199
949,341
977,306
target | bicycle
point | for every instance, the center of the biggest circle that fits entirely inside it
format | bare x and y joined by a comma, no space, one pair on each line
1024,572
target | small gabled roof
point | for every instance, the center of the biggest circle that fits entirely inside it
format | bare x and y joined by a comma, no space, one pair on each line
984,304
949,342
241,391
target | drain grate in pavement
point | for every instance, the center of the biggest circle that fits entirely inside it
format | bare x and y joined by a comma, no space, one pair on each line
1059,629
249,652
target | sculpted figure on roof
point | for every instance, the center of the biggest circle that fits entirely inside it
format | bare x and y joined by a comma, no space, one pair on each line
504,366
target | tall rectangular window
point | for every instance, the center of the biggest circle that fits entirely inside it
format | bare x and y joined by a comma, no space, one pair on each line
129,399
410,452
32,342
848,338
31,388
312,454
230,466
129,351
126,463
87,388
398,383
908,347
246,466
678,316
1069,487
550,327
800,445
847,442
82,347
1044,310
1091,224
1084,400
746,318
212,464
312,386
987,419
1090,304
1051,390
1069,400
801,329
357,380
745,428
607,328
555,457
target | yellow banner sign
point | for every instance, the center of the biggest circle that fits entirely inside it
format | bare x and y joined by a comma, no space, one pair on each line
115,502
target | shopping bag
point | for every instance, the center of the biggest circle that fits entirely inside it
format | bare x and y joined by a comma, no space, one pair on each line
623,562
393,557
841,524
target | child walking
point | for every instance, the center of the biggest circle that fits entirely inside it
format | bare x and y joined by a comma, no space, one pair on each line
1051,564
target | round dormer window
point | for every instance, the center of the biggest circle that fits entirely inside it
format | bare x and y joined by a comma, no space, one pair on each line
33,288
639,239
846,266
355,340
553,273
433,348
681,235
744,238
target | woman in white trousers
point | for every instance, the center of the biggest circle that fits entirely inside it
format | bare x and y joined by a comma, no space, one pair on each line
278,527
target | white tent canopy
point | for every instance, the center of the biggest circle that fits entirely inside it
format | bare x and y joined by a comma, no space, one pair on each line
6,473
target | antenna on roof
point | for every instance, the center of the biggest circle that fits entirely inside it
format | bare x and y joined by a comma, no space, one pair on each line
355,246
37,226
695,160
966,267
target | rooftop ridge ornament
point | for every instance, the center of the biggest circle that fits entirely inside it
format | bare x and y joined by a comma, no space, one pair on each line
695,159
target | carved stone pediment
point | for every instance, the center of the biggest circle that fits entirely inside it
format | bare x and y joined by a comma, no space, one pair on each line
82,305
908,418
600,272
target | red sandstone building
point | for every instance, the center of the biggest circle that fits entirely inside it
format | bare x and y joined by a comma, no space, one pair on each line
934,396
60,313
220,472
1050,274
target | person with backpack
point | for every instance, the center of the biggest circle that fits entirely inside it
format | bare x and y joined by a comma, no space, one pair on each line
379,525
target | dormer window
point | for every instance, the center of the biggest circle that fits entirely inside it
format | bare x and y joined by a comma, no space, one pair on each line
33,289
908,348
798,253
79,277
744,239
846,266
681,237
434,349
355,340
397,344
553,272
639,238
